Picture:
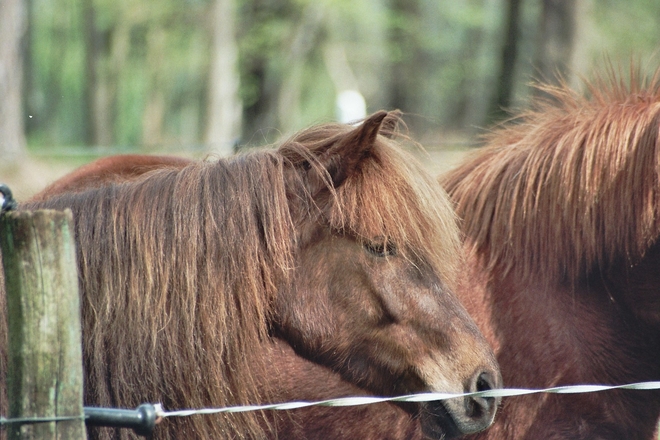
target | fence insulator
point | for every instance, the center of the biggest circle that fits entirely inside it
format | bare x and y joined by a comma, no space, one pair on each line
141,420
7,202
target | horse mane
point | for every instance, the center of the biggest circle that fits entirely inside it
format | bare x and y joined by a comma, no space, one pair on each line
177,272
569,187
179,269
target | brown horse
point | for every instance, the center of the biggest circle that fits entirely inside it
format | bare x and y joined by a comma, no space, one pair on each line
561,212
200,280
108,170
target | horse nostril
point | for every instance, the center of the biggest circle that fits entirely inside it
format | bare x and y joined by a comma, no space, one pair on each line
468,414
479,407
483,382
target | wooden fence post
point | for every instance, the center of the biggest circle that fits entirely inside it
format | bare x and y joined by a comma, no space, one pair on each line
45,354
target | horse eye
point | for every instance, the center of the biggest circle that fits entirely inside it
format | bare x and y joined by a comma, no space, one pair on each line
381,249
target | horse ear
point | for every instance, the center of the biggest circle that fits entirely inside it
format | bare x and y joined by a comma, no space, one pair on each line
391,123
344,157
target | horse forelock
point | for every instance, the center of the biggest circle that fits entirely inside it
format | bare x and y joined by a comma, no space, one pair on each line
179,272
390,197
571,187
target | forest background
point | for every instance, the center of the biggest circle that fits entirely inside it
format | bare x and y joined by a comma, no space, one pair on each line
83,78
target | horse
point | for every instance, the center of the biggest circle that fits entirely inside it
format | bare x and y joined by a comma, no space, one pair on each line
296,378
560,212
108,170
332,258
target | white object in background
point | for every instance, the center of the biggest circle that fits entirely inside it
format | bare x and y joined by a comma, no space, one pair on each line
351,106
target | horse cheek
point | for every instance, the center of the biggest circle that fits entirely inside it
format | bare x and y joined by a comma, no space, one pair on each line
304,314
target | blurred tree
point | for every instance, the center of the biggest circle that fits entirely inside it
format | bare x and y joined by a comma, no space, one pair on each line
105,55
354,50
91,127
481,66
158,74
28,82
12,31
224,109
305,39
110,59
261,33
404,53
505,79
153,116
57,82
467,61
556,41
583,47
442,60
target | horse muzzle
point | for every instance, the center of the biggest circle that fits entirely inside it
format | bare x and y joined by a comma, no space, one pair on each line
463,415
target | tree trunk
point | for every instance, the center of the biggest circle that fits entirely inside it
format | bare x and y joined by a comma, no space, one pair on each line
404,85
12,31
224,112
91,83
29,92
504,91
582,43
110,65
556,42
153,117
304,40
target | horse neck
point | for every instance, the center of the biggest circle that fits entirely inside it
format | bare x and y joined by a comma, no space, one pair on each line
548,335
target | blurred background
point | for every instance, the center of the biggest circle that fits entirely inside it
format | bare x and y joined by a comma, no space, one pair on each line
84,78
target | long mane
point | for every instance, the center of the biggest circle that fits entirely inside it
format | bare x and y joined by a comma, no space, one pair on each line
570,187
179,269
177,274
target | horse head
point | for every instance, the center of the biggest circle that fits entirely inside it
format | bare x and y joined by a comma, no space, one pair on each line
378,256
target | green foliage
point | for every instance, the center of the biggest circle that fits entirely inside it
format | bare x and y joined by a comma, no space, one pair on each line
57,63
437,60
625,30
127,63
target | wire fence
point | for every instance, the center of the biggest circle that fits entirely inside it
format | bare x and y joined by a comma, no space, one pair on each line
369,400
421,397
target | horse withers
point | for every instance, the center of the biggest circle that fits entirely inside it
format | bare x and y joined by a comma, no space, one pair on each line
561,213
335,253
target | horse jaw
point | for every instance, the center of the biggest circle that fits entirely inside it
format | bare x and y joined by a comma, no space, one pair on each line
387,336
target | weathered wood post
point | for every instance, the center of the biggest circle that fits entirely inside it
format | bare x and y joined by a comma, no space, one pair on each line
45,355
